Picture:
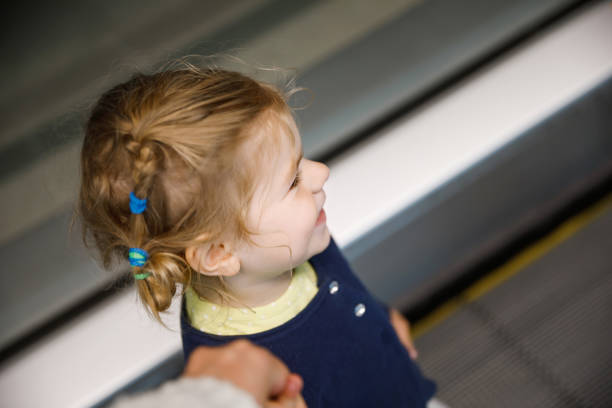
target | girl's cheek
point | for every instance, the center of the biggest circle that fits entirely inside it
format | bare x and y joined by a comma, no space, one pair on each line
305,199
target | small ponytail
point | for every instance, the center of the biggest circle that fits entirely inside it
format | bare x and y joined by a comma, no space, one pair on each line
158,289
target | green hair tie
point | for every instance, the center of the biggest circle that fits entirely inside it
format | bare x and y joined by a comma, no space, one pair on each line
142,276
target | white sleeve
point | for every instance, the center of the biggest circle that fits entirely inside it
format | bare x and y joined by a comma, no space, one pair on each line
205,392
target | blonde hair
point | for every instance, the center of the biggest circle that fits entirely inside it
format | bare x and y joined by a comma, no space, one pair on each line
173,137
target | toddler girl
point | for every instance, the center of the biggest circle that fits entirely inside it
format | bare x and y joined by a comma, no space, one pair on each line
196,176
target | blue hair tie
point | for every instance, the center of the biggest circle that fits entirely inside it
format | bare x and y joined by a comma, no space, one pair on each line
137,205
137,256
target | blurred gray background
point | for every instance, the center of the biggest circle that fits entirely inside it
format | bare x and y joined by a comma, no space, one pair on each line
366,63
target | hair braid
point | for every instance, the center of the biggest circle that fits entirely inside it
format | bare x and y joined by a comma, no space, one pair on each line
145,165
155,291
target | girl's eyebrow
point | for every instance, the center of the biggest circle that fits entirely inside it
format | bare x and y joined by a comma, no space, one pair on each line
293,168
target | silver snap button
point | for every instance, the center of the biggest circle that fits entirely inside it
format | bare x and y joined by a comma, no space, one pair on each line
334,287
360,309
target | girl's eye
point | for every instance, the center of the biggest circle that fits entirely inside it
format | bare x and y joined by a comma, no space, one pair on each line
296,181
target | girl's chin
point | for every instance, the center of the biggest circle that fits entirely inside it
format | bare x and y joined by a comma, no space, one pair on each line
323,241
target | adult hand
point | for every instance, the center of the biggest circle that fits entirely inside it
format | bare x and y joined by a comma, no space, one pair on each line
402,329
251,368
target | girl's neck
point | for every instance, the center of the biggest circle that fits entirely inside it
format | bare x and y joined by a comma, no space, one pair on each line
248,292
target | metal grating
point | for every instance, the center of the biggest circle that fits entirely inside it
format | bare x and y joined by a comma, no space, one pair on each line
542,339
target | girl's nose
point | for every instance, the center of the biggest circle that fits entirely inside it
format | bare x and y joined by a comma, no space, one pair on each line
321,175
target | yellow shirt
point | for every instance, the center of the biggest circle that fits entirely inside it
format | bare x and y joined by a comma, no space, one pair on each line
226,321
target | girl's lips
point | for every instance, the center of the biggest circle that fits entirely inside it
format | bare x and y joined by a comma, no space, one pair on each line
322,217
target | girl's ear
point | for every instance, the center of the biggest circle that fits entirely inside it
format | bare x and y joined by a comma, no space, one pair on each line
213,259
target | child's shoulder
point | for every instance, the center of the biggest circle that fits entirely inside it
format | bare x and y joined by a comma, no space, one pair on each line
331,261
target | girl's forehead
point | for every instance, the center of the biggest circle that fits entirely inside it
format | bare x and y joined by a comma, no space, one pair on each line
275,150
275,133
281,126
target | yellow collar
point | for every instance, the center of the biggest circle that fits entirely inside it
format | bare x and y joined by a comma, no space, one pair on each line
227,321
